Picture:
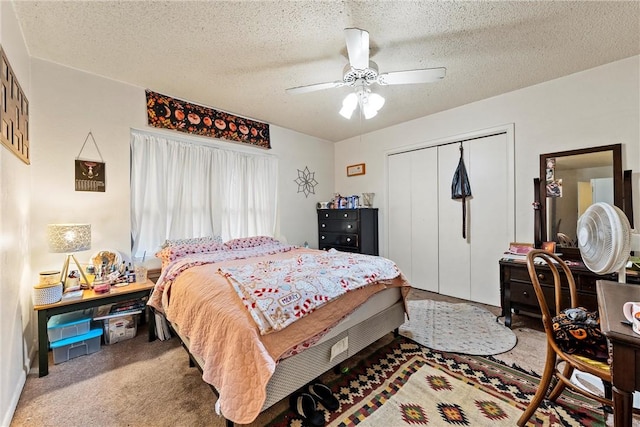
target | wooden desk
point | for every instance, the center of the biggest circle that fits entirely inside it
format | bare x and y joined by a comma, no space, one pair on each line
89,300
625,346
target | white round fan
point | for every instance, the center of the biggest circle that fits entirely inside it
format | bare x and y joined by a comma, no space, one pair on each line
604,238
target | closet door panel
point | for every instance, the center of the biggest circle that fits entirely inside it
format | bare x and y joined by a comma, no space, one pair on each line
399,196
453,250
424,219
490,214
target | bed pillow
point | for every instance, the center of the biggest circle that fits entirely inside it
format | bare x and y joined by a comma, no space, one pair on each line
250,242
175,251
192,240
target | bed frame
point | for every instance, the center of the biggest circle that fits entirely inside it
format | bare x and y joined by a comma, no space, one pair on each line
294,372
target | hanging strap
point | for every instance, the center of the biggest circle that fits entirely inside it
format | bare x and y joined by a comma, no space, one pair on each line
464,200
94,143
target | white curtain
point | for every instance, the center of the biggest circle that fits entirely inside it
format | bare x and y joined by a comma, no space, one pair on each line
187,188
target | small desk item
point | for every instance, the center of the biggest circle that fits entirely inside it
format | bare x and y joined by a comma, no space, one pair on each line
89,300
625,346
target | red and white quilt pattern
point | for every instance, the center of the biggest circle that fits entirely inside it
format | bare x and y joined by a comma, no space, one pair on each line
277,293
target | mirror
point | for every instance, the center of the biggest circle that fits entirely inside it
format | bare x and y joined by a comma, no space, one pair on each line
570,181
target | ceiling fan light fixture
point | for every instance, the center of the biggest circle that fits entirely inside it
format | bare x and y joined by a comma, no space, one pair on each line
370,103
376,101
346,112
368,111
349,105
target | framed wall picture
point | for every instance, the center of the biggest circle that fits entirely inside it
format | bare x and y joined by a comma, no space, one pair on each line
354,170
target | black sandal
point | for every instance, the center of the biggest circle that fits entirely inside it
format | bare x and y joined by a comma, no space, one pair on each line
304,405
324,395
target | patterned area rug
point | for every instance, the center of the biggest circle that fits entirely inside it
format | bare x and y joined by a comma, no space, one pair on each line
457,328
406,384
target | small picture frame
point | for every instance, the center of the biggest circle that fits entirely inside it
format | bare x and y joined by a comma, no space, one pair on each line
358,169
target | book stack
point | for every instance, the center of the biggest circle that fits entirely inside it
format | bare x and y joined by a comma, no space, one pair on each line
517,252
163,332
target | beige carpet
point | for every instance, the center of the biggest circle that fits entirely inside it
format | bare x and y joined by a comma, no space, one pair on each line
137,383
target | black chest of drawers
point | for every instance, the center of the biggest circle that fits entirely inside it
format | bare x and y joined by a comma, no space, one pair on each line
349,230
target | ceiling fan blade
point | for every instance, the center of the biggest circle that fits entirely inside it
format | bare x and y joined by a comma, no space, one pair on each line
357,47
427,75
314,87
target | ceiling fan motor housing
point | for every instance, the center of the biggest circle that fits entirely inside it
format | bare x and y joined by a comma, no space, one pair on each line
368,75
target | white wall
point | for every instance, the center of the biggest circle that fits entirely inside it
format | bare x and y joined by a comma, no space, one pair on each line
600,106
15,299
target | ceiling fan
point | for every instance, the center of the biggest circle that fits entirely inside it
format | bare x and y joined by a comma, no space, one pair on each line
360,73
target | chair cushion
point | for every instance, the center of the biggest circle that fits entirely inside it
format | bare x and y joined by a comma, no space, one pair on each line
577,331
597,364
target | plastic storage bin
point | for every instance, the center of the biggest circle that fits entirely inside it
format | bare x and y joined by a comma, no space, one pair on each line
79,345
68,325
120,328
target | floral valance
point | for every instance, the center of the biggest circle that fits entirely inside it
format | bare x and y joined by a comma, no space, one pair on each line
170,113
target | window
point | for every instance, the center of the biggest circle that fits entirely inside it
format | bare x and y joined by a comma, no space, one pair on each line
182,187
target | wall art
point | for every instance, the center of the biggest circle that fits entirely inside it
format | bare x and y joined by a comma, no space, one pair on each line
170,113
358,169
90,174
306,181
14,112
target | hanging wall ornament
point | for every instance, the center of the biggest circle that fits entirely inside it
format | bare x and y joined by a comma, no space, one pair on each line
306,181
90,174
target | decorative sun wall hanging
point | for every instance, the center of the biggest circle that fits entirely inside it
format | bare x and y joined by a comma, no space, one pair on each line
306,181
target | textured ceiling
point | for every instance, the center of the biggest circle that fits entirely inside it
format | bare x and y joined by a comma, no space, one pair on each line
241,56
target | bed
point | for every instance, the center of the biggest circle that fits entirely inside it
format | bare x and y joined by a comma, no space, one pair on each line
225,302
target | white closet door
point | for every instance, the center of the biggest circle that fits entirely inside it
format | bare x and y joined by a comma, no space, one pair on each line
453,250
424,219
399,196
491,213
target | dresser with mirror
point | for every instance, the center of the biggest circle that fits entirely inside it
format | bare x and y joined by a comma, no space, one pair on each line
569,182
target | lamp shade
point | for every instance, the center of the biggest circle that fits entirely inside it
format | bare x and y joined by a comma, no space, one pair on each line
67,238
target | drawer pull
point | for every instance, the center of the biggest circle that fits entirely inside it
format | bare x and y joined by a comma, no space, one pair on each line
322,237
323,225
525,293
348,239
346,215
326,215
541,276
349,226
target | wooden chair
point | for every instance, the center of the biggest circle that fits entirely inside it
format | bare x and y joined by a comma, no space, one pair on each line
559,364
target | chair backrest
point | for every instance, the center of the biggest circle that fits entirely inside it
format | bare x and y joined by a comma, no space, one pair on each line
559,271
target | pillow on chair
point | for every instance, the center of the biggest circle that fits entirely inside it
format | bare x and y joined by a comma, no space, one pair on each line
577,331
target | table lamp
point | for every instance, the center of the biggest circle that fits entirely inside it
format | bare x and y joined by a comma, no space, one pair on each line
69,238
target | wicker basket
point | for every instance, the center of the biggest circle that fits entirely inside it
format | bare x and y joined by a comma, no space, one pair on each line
47,294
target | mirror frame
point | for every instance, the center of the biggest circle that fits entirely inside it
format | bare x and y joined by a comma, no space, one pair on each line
618,186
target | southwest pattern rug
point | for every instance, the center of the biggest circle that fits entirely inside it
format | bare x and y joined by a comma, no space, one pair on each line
406,384
456,328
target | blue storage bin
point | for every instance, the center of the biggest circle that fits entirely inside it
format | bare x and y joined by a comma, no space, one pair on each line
68,325
79,345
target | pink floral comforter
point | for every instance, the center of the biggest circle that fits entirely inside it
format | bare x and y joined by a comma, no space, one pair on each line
238,360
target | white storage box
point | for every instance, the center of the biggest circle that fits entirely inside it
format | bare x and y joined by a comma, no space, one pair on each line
68,325
47,294
79,345
120,327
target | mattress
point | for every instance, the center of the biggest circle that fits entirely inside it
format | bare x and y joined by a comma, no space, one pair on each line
379,315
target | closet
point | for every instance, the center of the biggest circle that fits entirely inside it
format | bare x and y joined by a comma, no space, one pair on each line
425,224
